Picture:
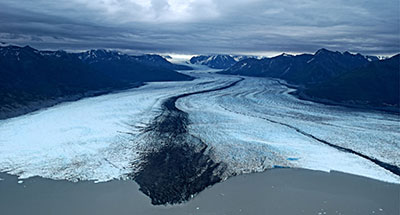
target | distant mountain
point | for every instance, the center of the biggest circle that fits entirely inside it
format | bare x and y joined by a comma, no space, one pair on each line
31,79
243,57
157,60
215,61
153,60
372,58
376,84
301,69
332,77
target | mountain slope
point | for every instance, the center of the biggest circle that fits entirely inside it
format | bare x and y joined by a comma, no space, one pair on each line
152,60
32,79
214,61
300,69
334,77
376,84
157,60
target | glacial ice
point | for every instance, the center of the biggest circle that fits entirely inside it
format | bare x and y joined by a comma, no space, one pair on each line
95,138
239,123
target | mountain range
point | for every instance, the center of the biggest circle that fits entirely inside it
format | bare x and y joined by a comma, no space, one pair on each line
376,84
218,61
301,69
32,79
333,77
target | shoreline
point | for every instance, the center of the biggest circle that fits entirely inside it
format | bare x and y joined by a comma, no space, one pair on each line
276,191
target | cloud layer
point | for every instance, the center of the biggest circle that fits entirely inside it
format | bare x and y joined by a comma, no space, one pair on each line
204,26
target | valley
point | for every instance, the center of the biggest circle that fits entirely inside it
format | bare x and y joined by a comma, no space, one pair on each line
215,127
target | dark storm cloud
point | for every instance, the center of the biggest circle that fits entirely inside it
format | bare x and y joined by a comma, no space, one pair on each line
204,26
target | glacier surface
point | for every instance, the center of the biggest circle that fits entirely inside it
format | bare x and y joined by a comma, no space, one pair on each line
252,126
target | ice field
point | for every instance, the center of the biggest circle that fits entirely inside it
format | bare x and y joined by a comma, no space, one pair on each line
252,126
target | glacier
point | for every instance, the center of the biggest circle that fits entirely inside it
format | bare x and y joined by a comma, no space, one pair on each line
253,126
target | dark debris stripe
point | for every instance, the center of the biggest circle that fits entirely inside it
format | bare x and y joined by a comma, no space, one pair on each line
390,167
176,165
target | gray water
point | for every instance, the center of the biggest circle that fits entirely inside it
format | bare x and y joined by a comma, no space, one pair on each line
277,191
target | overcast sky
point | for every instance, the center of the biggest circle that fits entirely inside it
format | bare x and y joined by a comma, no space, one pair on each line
204,26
